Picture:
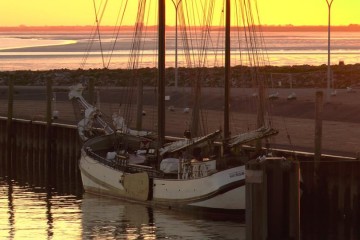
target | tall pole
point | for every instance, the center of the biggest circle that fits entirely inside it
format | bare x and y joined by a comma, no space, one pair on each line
139,104
176,5
329,3
161,76
227,70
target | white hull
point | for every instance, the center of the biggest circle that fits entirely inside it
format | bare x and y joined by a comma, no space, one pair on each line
223,190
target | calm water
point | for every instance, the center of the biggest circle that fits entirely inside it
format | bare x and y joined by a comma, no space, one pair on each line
35,213
53,51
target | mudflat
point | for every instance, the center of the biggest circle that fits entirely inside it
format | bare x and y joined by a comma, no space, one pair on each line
295,119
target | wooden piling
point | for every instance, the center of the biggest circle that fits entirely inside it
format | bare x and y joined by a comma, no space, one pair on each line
9,122
24,150
79,186
272,199
49,117
2,145
255,202
260,114
64,160
14,143
318,128
91,88
68,166
30,153
35,160
58,156
139,104
16,156
42,154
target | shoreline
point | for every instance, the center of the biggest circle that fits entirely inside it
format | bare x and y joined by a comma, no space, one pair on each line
264,28
297,76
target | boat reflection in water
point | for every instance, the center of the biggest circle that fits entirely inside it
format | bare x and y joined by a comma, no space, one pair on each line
111,218
28,212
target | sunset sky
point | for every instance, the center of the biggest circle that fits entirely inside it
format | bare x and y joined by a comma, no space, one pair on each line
80,12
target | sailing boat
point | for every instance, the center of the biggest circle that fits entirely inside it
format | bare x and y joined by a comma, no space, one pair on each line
131,165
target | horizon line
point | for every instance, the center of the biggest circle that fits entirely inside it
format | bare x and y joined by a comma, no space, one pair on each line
264,27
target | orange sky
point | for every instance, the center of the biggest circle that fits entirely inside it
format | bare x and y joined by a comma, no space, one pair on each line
80,12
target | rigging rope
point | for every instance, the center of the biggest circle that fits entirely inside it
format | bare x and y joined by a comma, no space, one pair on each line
116,33
196,18
252,51
134,57
92,38
142,34
195,27
98,30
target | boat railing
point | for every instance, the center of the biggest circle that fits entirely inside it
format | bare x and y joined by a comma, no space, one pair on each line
122,163
143,168
190,169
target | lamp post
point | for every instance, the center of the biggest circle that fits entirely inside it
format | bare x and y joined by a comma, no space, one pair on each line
176,5
329,3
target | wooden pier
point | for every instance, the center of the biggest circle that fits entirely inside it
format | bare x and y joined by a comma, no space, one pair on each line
29,155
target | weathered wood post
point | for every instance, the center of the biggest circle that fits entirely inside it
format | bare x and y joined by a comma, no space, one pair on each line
65,159
49,117
139,104
19,148
42,153
77,157
25,146
30,152
70,159
35,146
272,199
318,127
57,155
318,141
2,144
260,113
9,122
290,81
91,89
15,156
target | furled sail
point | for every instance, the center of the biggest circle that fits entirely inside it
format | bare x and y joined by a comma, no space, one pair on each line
259,133
185,143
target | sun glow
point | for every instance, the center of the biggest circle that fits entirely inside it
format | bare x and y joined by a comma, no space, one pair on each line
81,12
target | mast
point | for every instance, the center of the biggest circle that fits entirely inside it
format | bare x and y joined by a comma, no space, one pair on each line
139,103
227,71
161,77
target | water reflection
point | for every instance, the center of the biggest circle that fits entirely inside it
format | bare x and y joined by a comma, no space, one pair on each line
114,219
36,213
32,213
11,209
